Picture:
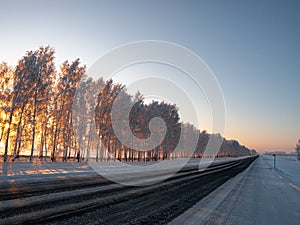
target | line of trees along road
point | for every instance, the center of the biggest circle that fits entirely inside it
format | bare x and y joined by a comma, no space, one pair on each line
37,113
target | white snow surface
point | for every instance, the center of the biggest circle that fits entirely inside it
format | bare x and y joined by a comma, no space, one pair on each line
286,166
20,169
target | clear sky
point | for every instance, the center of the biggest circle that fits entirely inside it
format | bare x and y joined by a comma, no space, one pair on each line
253,47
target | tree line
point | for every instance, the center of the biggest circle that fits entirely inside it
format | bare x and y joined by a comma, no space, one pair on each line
40,106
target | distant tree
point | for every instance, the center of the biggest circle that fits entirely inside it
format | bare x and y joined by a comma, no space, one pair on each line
169,114
190,140
105,99
202,142
298,149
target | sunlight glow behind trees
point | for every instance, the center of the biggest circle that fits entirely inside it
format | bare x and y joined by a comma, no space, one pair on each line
37,116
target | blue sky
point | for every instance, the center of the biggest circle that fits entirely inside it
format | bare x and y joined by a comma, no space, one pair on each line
252,47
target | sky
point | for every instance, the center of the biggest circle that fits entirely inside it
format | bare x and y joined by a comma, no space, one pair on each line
252,47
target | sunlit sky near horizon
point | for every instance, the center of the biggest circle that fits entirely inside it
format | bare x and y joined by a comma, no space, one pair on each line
252,47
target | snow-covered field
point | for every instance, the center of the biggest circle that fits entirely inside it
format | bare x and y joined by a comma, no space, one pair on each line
22,170
286,166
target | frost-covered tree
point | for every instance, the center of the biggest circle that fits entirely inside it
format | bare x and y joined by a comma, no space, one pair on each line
62,129
41,75
32,83
84,114
105,99
21,93
6,84
38,113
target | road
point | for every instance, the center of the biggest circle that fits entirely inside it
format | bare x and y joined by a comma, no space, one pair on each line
110,203
259,195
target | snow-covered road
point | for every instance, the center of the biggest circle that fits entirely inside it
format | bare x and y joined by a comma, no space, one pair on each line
259,195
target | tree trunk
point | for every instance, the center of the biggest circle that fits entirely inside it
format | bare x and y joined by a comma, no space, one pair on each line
97,149
3,128
33,132
7,137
